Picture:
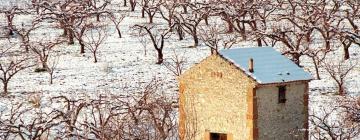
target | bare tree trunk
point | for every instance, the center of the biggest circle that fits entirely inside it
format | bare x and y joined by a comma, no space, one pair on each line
82,47
243,31
10,26
346,52
70,37
44,65
95,58
132,5
327,45
254,25
51,78
160,51
25,43
65,32
230,26
119,32
206,19
143,13
316,68
185,9
125,3
341,89
296,59
98,17
259,42
196,40
160,56
180,33
150,18
5,88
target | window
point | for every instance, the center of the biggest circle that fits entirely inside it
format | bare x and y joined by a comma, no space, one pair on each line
218,136
282,94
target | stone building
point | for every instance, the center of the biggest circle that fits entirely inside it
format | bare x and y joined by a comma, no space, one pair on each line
244,94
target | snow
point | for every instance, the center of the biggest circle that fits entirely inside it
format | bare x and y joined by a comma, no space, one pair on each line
269,65
123,68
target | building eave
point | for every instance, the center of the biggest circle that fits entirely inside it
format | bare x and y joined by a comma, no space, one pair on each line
282,83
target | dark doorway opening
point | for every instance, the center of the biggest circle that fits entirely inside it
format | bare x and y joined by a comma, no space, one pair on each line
218,136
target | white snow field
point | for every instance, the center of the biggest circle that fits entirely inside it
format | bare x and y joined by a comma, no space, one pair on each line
123,68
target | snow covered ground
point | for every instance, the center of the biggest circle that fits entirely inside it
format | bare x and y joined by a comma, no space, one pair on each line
123,67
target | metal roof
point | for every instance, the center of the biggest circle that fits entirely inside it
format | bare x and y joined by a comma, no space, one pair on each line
269,65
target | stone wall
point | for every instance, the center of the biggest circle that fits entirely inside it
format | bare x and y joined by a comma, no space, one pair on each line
213,98
277,120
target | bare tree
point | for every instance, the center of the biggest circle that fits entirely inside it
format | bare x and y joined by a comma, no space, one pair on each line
51,67
42,50
15,113
125,3
293,41
338,71
329,21
69,13
346,43
157,38
352,108
317,56
35,4
350,36
69,115
234,14
214,38
94,39
261,19
99,5
132,4
117,19
143,40
10,64
157,110
19,125
65,13
151,7
24,32
146,114
167,11
190,22
102,117
325,127
80,30
176,64
10,13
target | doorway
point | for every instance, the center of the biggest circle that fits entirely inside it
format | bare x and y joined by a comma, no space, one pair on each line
218,136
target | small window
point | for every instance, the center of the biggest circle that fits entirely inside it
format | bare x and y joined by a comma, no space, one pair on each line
218,136
282,94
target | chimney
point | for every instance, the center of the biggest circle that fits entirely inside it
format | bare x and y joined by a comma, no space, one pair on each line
251,65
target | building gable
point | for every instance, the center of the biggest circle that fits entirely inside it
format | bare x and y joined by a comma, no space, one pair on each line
219,62
215,94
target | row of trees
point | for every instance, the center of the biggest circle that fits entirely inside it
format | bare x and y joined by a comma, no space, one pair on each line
301,29
80,20
340,121
147,114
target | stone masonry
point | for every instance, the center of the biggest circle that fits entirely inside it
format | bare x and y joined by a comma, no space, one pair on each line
217,97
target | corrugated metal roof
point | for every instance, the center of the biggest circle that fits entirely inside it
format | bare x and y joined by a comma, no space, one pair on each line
269,65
